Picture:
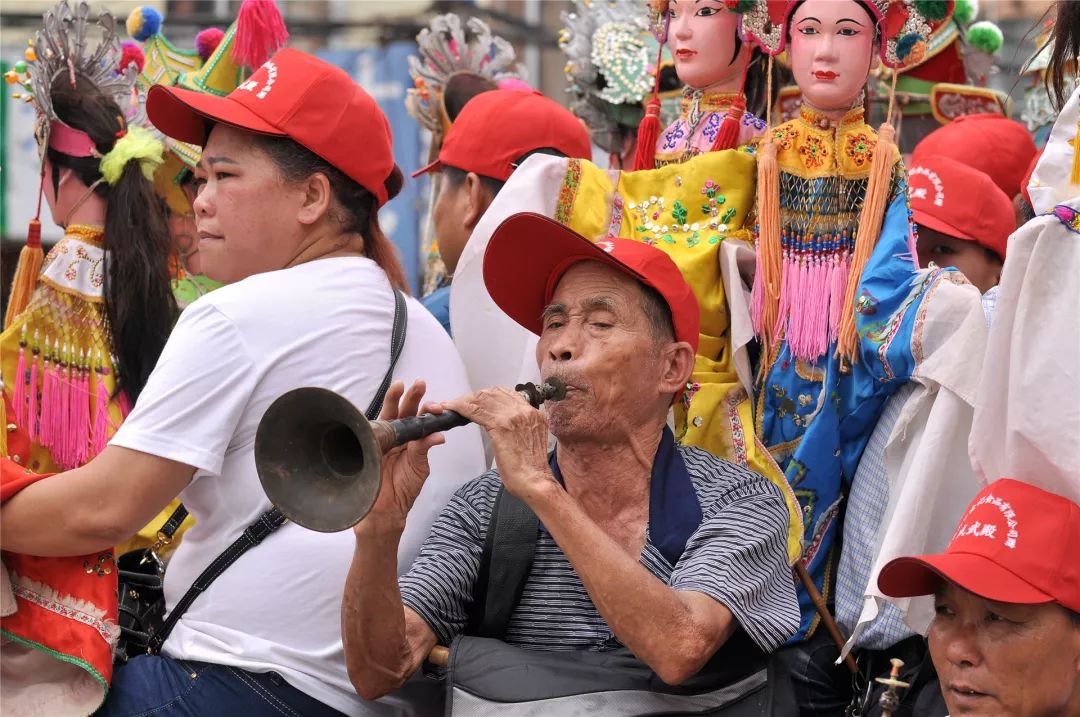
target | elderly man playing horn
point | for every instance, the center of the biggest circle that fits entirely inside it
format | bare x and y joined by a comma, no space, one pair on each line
638,543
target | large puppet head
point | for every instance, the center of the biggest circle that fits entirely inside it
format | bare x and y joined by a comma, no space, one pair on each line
704,42
898,32
832,49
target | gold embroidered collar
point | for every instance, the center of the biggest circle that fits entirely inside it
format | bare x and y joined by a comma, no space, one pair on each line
818,120
87,233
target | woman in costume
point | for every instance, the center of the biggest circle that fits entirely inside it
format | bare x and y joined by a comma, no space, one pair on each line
84,330
82,337
722,75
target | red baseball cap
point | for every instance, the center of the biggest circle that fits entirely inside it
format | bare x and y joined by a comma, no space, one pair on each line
959,201
499,127
1016,543
293,95
993,144
529,253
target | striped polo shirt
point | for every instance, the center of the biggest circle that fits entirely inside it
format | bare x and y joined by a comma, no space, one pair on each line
735,552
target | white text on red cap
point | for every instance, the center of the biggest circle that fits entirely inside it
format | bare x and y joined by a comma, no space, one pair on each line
252,85
976,529
920,192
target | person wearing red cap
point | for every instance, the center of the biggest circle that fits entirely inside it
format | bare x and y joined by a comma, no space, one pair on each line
296,163
999,147
963,219
494,133
639,545
1005,639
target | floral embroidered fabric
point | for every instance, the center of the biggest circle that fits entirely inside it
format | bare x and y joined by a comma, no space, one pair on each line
694,132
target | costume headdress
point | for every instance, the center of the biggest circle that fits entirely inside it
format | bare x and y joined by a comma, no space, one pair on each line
610,54
448,50
63,49
453,59
904,27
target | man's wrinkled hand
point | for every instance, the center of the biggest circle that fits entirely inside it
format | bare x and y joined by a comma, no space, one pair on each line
519,437
404,468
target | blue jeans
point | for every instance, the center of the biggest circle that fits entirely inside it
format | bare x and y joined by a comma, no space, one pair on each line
163,687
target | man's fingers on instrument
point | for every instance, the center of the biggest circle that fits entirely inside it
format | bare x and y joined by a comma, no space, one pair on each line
412,398
390,402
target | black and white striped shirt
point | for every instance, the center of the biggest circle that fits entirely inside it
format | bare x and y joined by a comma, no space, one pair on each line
737,556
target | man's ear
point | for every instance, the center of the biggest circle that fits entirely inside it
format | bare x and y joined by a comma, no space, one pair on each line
678,364
316,200
477,200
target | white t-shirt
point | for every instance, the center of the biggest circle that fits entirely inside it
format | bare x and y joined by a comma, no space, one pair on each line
326,323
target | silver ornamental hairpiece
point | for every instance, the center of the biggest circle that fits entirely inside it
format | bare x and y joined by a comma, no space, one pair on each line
446,47
64,48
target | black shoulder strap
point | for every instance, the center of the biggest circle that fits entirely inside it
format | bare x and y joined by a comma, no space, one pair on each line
504,566
272,519
397,343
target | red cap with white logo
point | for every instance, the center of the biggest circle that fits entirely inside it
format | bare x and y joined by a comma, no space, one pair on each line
529,253
294,95
960,202
497,128
1016,544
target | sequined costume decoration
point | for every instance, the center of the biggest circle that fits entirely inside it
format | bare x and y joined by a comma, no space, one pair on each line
58,360
610,69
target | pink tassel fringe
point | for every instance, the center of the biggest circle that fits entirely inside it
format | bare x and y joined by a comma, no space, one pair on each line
20,389
32,416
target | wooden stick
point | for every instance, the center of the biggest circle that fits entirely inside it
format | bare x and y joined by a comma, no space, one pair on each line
439,656
823,611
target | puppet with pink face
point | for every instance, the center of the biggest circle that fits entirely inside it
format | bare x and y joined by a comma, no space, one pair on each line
837,291
722,75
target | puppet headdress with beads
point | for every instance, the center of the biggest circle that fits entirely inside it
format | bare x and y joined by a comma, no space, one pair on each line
448,51
610,55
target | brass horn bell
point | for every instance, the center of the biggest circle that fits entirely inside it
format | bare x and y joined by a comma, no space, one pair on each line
318,460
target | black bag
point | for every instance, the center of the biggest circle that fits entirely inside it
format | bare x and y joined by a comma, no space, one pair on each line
141,573
141,608
487,676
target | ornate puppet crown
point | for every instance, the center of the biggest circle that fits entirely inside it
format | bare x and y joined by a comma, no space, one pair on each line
63,47
610,60
447,49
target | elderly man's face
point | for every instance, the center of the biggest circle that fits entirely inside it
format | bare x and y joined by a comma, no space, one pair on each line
597,338
1003,659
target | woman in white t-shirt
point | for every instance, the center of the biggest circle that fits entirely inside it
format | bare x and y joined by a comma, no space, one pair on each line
297,162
